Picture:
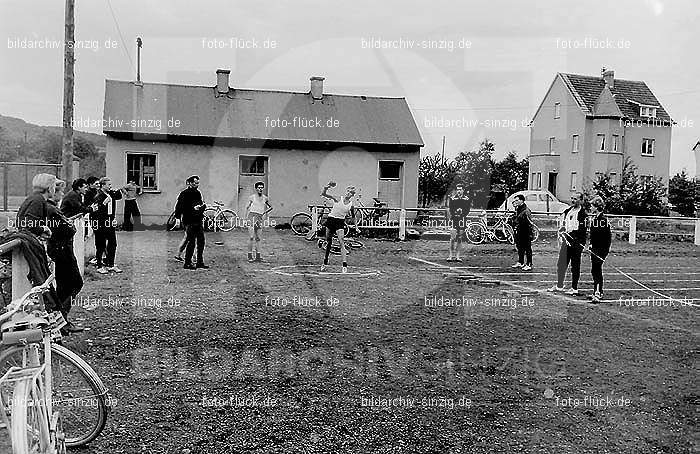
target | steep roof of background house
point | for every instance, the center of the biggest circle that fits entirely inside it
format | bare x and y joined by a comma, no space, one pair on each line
628,95
249,114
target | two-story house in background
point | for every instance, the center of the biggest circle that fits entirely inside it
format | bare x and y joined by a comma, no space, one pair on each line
587,125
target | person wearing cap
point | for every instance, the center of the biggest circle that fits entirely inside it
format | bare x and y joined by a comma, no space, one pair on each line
105,226
60,248
600,240
189,210
32,215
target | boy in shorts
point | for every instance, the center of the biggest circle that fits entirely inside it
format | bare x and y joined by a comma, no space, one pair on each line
258,207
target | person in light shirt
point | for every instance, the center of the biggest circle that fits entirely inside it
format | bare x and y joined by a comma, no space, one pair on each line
573,240
258,207
335,224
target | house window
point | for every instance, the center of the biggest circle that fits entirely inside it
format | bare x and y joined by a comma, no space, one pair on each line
539,180
532,180
390,170
601,142
615,141
613,178
574,143
552,145
648,147
574,182
598,176
557,110
141,167
253,165
647,111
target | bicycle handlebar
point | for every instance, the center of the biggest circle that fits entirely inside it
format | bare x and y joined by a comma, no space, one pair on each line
18,304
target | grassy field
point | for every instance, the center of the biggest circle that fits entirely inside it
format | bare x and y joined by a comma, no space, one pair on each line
274,358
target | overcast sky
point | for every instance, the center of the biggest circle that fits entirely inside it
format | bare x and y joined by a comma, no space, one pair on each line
485,65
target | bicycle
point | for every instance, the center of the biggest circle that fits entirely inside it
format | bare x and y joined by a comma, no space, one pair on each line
479,231
350,243
69,384
374,213
215,218
301,222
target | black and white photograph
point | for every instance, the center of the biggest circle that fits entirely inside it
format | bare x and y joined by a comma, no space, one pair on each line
324,227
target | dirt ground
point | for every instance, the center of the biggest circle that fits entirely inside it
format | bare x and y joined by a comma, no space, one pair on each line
246,358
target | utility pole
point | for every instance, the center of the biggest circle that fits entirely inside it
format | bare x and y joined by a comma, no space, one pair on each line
68,83
443,149
139,44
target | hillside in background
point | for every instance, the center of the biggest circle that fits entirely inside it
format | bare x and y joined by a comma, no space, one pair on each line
27,142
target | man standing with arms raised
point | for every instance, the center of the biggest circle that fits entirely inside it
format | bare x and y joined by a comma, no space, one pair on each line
189,210
458,208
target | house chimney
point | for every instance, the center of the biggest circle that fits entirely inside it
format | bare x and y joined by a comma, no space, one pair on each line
609,78
317,87
222,80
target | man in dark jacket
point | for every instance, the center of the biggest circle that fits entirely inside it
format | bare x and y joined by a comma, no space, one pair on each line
72,203
522,224
600,240
104,224
573,239
189,209
60,248
32,215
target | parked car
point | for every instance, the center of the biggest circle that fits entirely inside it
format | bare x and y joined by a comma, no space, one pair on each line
540,201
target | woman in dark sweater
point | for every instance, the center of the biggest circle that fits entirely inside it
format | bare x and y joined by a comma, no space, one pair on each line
522,224
600,237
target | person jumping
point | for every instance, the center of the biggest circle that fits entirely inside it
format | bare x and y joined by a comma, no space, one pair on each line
336,221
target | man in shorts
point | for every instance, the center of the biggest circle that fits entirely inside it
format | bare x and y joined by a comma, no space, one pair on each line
258,207
458,208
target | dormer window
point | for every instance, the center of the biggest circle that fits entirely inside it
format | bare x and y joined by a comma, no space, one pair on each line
647,111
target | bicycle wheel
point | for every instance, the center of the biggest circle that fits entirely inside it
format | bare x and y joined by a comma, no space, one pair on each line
510,234
476,234
170,224
500,233
301,223
78,393
535,232
209,221
226,220
30,425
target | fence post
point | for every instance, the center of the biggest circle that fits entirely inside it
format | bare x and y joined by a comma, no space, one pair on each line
20,271
633,230
5,186
697,232
314,219
79,243
402,224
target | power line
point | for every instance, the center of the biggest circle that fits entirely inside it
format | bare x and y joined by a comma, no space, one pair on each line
114,18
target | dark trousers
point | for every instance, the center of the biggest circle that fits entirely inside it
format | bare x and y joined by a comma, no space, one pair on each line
195,232
524,245
105,244
569,254
68,279
597,271
131,209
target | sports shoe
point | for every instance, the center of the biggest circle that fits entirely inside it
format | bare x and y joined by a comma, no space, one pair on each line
71,328
179,258
596,297
324,268
554,288
93,261
450,259
102,270
527,267
517,265
189,266
458,260
114,269
572,291
345,269
202,266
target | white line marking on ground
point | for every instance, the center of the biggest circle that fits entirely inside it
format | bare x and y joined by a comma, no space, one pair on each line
566,298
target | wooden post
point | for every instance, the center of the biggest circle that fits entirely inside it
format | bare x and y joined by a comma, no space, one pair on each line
633,230
20,270
314,219
697,232
402,224
68,81
5,186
